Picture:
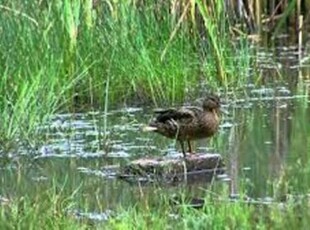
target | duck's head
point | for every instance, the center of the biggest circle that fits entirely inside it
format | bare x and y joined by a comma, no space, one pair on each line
211,102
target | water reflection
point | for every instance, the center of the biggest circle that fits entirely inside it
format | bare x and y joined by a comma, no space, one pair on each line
261,136
262,140
265,142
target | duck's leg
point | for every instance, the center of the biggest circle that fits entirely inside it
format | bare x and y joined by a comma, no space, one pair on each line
190,150
182,147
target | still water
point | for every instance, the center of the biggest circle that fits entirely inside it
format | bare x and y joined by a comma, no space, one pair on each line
264,140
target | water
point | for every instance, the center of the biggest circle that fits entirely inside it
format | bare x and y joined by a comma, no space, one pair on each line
265,142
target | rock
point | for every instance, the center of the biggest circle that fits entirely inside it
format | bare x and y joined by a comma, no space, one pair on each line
195,167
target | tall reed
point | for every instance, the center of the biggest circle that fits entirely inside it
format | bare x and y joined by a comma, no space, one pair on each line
64,55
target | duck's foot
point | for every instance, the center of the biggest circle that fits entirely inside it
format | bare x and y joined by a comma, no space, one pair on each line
191,153
188,154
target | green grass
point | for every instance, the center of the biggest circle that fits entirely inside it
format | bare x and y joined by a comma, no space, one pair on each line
45,211
51,210
62,56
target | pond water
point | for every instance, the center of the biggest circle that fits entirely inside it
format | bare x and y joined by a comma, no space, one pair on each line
264,140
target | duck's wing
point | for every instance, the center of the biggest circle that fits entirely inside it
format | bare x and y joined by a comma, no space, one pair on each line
196,111
183,114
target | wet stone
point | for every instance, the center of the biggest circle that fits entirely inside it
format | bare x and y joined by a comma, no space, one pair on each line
199,166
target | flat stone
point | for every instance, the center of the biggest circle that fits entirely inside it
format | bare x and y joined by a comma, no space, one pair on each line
175,169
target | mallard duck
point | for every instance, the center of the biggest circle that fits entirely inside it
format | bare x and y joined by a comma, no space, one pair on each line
189,122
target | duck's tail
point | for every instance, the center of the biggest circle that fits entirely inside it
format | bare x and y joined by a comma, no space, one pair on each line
148,128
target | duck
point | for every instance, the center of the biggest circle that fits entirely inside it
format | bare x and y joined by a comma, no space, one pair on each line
188,123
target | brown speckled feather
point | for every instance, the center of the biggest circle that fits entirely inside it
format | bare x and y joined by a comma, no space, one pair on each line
188,123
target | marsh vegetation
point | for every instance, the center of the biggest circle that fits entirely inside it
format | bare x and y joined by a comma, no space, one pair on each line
79,78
